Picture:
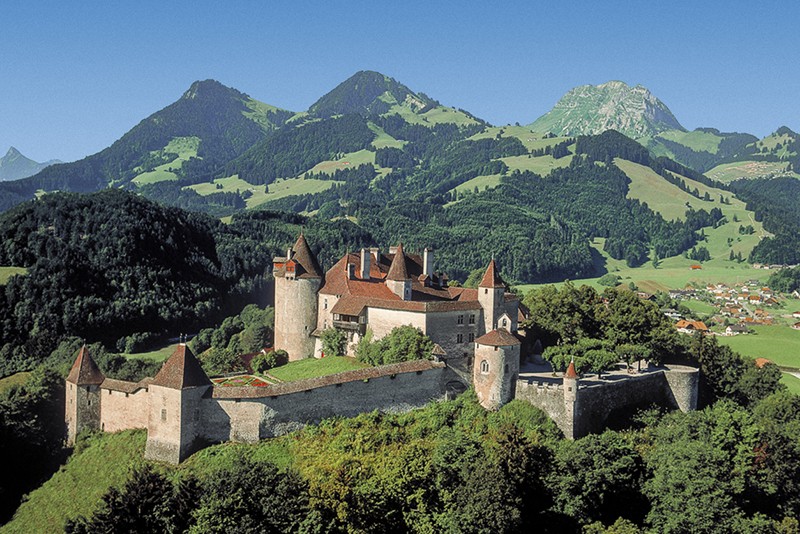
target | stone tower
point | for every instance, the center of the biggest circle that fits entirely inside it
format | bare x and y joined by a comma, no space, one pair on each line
397,278
496,368
298,278
83,396
175,396
491,295
570,386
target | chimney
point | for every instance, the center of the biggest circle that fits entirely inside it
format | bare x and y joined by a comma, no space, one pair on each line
427,262
288,253
351,271
392,250
365,263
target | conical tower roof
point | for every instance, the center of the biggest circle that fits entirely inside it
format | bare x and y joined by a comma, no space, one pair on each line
84,371
571,372
181,370
398,271
306,258
491,278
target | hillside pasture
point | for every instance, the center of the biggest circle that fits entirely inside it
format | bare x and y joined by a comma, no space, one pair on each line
778,343
278,189
17,379
184,147
728,172
159,354
697,140
384,140
8,272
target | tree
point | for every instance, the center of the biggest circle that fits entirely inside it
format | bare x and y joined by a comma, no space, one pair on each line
334,342
264,362
403,343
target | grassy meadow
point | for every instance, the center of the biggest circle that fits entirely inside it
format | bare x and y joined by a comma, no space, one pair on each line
17,379
8,272
728,172
185,147
312,368
157,355
278,189
778,343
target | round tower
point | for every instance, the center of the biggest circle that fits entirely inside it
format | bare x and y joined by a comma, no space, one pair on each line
298,278
570,386
82,396
496,368
491,296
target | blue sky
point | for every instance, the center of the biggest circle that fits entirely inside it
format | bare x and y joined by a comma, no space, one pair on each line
75,76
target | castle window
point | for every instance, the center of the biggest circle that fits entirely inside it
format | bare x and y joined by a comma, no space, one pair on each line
460,338
506,368
163,414
472,336
325,304
471,318
504,321
460,319
485,291
484,367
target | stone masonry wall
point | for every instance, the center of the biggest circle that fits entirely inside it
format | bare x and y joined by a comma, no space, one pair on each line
251,419
381,321
121,411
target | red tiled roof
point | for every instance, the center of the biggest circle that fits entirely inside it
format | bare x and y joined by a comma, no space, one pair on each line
571,373
306,259
124,386
84,371
697,325
761,362
398,270
181,370
498,338
491,278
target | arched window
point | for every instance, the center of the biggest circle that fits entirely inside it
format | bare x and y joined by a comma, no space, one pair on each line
484,367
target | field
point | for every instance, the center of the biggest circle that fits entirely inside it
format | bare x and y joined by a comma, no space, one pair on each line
778,343
77,487
438,115
158,355
185,147
699,307
791,382
481,182
347,161
384,140
541,165
278,189
17,379
312,367
729,172
8,272
696,140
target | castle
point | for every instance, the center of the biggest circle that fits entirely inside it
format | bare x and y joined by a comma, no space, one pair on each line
476,344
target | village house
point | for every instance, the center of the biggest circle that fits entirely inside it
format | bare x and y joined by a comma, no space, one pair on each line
686,326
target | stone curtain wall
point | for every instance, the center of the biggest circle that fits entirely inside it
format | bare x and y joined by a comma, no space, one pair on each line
121,411
251,419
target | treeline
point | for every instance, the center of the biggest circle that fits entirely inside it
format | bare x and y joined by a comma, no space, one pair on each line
774,202
116,268
730,145
290,151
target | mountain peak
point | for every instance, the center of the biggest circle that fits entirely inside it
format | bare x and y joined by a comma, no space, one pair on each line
14,166
368,92
12,153
593,109
208,88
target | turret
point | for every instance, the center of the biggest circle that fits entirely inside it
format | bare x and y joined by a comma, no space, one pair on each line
82,396
570,386
491,296
398,279
298,278
175,412
496,368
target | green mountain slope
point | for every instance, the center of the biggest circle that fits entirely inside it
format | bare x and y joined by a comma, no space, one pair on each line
593,109
776,155
14,166
225,121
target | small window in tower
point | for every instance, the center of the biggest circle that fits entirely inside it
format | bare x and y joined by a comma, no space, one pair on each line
471,318
485,291
484,367
325,304
471,336
506,368
505,322
460,319
163,414
460,338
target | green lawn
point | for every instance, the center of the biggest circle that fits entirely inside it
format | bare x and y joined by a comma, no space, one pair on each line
699,307
541,165
350,160
791,382
729,172
77,487
278,189
185,147
696,140
8,272
384,140
778,343
157,355
17,379
312,367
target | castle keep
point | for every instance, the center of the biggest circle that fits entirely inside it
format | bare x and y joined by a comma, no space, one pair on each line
477,344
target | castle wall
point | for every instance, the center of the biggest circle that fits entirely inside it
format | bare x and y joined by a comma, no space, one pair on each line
251,419
382,321
296,315
325,315
443,328
496,385
82,409
121,411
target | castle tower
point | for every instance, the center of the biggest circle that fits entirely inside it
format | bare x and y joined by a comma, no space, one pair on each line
398,279
570,386
298,278
82,396
175,396
491,296
496,368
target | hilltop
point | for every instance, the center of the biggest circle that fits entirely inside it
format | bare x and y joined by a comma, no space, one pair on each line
593,109
14,166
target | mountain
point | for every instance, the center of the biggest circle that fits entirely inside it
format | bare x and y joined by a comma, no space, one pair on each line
701,149
209,125
371,93
14,165
593,109
776,155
